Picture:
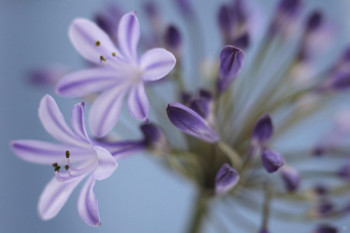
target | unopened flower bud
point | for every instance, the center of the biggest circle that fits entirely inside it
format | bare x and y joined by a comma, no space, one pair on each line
263,129
271,160
226,178
291,178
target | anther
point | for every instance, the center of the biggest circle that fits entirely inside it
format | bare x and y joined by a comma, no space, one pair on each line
97,43
66,167
67,154
55,165
102,58
114,54
57,168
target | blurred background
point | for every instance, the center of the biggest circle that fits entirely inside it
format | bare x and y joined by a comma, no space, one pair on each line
141,196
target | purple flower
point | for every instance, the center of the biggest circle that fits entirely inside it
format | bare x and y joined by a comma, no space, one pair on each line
173,40
263,129
120,71
190,122
271,160
325,228
286,14
225,179
344,172
77,158
290,178
154,136
231,61
202,104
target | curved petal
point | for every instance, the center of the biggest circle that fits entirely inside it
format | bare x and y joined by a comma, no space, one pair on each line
106,163
47,153
87,203
105,111
55,124
156,63
85,82
190,122
54,196
138,103
78,121
129,35
91,41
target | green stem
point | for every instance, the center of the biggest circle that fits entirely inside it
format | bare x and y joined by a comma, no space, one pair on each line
199,212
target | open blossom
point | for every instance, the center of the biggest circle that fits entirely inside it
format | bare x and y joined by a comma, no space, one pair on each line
120,71
78,157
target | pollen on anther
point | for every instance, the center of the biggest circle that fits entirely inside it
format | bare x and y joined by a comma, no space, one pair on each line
102,58
55,165
97,43
114,54
66,167
67,154
57,168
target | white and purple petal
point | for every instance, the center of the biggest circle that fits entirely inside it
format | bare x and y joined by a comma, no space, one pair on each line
55,124
87,203
190,122
129,35
105,110
47,153
85,82
156,63
54,196
78,121
226,178
138,102
91,41
106,163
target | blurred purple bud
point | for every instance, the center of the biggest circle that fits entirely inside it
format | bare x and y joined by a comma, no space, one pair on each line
203,93
190,122
263,129
151,9
344,172
291,178
325,228
339,82
242,41
108,20
314,21
186,97
225,21
325,208
319,151
185,7
173,40
226,178
231,61
154,136
238,11
286,13
46,76
271,161
320,190
202,104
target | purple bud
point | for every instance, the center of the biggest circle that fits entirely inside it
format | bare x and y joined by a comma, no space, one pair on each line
319,151
314,21
263,129
231,61
151,9
324,228
242,41
291,178
289,8
185,7
45,76
203,104
325,208
339,82
225,21
154,136
190,122
226,178
286,13
320,190
203,93
186,97
271,161
344,172
173,40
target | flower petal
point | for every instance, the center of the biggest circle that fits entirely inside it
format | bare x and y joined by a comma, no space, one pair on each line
47,153
87,203
85,82
129,35
226,178
138,102
263,129
54,197
55,124
106,163
190,122
78,121
105,111
156,64
91,41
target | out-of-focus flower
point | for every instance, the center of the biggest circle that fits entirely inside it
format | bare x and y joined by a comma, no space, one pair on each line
226,178
291,178
120,72
271,160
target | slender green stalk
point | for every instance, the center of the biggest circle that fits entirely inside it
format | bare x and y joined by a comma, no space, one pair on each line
199,211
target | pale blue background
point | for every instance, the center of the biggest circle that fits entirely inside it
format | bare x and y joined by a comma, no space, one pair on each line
141,196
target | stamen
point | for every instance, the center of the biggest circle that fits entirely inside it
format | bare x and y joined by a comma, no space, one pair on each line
102,58
114,54
66,167
67,154
97,43
55,165
57,168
